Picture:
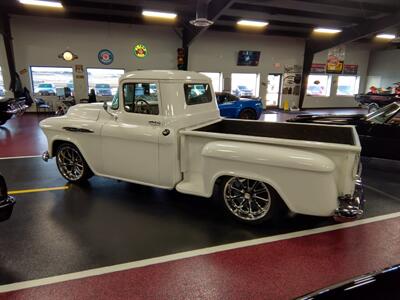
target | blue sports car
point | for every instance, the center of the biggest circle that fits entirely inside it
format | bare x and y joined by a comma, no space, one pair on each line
231,106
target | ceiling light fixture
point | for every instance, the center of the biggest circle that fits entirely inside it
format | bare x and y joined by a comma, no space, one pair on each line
386,36
55,4
327,30
159,14
252,23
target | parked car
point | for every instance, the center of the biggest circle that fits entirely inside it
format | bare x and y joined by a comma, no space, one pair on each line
6,202
243,91
103,89
71,87
375,101
166,137
46,89
382,284
379,131
231,106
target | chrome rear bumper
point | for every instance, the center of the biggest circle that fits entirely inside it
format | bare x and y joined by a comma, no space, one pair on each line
351,207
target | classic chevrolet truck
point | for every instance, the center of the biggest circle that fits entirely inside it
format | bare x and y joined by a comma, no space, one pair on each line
163,129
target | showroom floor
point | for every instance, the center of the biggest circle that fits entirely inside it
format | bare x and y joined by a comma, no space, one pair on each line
128,241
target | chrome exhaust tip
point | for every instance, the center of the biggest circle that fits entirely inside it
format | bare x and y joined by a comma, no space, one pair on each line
46,156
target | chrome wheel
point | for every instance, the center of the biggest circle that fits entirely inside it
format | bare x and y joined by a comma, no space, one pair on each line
247,199
70,163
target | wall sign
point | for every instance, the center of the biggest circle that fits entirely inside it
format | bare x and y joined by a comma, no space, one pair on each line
335,61
140,50
318,68
350,69
105,56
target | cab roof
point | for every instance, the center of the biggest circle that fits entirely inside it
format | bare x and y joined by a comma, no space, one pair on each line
164,75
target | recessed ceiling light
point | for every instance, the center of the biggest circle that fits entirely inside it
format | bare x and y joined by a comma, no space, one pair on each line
42,3
158,14
386,36
252,23
327,30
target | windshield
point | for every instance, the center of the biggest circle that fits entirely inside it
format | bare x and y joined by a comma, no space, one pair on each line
45,85
383,114
242,87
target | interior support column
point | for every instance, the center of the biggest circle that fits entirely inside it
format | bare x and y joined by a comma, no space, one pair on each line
307,62
8,45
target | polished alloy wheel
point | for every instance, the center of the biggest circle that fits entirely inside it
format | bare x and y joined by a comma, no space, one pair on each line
70,163
247,199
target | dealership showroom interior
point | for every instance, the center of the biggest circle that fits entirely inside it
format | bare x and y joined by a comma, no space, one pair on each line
199,149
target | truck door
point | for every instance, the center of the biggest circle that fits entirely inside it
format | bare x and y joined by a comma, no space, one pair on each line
130,141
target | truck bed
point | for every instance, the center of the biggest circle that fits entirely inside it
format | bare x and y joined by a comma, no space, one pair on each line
292,131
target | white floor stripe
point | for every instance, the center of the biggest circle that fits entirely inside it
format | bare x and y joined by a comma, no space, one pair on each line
188,254
17,157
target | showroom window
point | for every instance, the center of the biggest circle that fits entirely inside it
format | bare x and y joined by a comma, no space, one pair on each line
104,81
197,93
319,85
245,84
46,80
347,85
2,89
216,79
141,98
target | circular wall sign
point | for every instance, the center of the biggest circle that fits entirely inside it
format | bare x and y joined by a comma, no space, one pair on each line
105,56
140,50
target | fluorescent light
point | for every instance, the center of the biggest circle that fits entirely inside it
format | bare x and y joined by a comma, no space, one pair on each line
327,30
42,3
252,23
386,36
158,14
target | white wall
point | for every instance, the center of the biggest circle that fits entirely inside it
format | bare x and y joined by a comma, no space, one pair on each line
384,68
355,54
218,52
39,41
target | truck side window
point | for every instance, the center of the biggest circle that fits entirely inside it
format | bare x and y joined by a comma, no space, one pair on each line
197,93
141,98
115,101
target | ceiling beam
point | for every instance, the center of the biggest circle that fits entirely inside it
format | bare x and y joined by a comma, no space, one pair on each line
215,9
296,12
271,32
363,6
355,33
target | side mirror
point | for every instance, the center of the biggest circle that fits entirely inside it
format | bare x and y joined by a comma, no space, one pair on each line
105,106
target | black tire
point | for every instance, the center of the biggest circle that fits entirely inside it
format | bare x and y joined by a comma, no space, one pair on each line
273,209
248,114
73,166
372,107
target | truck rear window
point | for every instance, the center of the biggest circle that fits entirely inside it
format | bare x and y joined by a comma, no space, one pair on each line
197,93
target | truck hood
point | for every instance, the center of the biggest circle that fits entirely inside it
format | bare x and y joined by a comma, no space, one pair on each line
85,111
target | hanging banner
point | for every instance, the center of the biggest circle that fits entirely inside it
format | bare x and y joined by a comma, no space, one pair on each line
318,68
335,61
350,69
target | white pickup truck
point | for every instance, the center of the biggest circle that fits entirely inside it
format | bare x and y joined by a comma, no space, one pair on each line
163,129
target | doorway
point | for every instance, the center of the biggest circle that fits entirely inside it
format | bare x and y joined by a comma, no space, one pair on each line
274,90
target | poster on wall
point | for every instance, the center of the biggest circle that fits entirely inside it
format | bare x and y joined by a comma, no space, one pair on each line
79,69
350,69
248,58
318,68
335,61
140,50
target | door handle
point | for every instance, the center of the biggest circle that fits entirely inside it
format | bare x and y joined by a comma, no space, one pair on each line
155,123
75,129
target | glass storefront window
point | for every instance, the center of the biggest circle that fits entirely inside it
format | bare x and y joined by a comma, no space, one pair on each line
46,80
104,81
216,79
245,84
319,85
347,85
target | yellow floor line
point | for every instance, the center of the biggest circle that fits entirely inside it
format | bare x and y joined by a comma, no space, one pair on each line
38,190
